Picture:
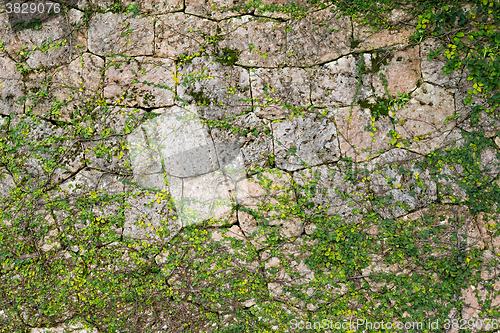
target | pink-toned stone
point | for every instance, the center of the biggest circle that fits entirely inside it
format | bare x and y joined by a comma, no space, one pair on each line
304,141
120,33
423,117
179,33
318,38
222,87
278,91
402,72
261,43
372,40
11,87
334,83
71,85
361,137
120,86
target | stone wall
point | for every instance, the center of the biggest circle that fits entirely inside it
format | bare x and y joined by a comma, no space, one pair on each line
321,131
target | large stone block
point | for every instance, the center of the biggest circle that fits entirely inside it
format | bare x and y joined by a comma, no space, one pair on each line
178,33
59,40
125,81
155,7
400,191
402,72
60,92
121,33
259,42
305,141
175,152
219,90
425,118
318,38
216,10
334,83
361,137
367,38
432,71
11,87
278,91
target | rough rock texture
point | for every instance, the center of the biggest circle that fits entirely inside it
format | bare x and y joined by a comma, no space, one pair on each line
69,85
171,162
57,42
252,192
319,38
178,33
260,44
425,117
304,142
118,33
280,91
131,81
402,72
11,87
221,92
360,136
334,83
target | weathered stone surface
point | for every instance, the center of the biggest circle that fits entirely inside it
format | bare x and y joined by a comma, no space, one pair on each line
367,39
103,5
483,121
70,85
432,71
11,87
6,183
210,197
304,141
178,33
121,33
277,92
361,137
113,120
402,72
423,117
218,89
334,191
260,44
252,195
199,173
334,83
279,9
124,81
401,192
256,145
215,10
154,7
318,38
68,42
